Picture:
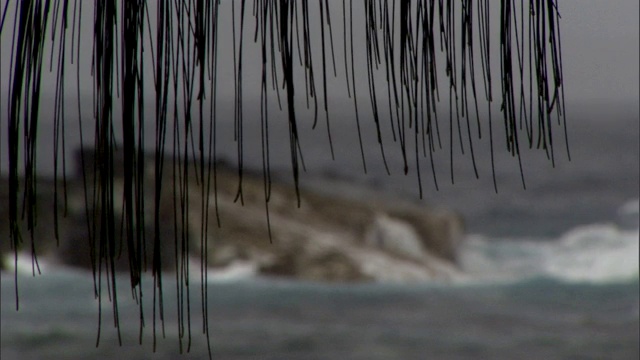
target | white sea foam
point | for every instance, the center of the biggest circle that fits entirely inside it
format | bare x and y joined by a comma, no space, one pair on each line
598,253
25,264
237,270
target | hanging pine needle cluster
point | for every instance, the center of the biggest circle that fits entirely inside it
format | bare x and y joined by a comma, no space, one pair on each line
412,45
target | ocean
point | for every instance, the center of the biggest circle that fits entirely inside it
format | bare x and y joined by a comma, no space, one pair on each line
549,272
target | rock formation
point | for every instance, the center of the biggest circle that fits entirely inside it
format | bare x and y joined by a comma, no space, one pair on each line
327,238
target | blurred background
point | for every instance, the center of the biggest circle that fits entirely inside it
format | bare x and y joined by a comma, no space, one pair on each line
547,271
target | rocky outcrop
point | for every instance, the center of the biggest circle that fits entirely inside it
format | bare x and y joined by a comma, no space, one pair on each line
332,238
326,238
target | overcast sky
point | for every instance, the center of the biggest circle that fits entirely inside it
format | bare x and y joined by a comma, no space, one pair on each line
600,42
600,47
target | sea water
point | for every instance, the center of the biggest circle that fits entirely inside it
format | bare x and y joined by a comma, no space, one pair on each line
550,272
517,308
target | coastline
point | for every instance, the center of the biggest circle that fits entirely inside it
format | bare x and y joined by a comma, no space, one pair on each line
326,238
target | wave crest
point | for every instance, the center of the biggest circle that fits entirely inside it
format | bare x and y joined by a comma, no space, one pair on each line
597,253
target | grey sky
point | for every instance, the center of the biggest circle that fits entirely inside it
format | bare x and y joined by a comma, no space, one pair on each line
600,48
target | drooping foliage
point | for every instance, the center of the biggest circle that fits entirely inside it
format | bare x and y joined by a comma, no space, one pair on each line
410,44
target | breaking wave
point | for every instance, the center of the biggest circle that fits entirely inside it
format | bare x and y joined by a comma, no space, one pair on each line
596,253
